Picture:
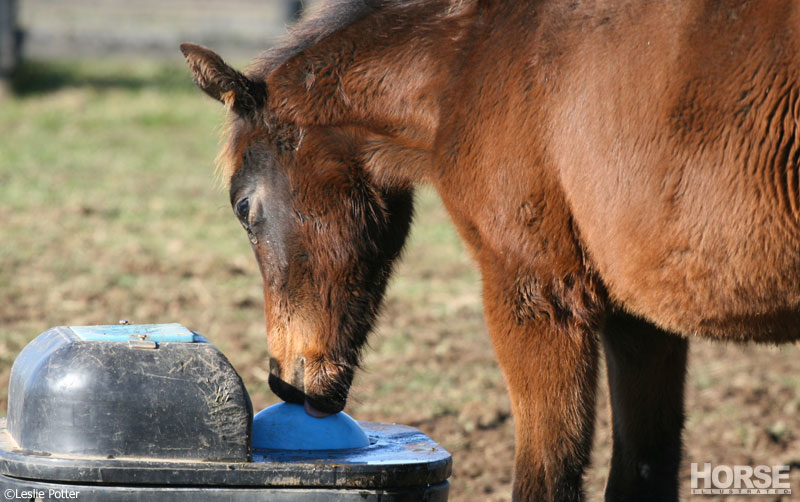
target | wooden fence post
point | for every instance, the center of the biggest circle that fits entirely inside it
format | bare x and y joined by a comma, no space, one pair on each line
294,9
10,39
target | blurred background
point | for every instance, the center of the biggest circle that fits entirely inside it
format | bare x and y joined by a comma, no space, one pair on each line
109,210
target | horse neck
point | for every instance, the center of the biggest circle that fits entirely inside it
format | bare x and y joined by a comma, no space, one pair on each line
384,71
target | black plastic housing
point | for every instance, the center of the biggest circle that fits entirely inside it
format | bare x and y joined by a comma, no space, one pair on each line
138,398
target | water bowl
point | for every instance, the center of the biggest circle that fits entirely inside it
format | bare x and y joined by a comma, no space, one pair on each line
286,426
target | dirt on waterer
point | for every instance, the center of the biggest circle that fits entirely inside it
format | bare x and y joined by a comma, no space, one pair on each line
155,412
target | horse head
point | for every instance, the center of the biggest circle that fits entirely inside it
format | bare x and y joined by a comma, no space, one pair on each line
324,232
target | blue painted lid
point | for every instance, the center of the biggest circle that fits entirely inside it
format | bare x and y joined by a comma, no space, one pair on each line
158,333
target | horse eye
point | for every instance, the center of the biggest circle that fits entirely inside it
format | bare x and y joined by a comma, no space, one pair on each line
243,210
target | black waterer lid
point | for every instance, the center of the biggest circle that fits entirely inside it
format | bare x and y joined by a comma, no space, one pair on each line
157,391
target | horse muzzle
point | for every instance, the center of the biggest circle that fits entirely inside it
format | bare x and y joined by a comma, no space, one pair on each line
293,391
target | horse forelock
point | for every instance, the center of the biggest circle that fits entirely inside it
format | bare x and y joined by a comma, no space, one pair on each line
234,142
239,133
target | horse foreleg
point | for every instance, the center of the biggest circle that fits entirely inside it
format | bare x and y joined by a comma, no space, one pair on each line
543,331
646,369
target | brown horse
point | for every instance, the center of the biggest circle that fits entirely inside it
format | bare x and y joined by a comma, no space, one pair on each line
623,170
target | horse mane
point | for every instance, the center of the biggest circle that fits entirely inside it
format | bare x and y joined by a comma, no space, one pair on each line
325,20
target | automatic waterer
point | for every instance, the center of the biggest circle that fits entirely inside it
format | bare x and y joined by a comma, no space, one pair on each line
156,412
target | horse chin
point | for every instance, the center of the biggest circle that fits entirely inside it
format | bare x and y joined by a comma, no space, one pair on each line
313,412
320,407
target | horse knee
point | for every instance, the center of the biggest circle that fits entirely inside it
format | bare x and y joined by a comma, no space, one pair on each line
544,334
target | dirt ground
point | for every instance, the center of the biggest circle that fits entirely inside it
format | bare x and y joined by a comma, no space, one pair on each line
109,210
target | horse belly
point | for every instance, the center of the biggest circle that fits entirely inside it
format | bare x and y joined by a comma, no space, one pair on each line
683,220
685,240
697,266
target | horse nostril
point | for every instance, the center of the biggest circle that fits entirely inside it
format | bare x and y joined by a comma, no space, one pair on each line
298,379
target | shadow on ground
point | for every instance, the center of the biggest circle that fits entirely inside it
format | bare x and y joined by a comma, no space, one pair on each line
33,78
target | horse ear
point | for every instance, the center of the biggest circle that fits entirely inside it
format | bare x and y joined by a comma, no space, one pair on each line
223,83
